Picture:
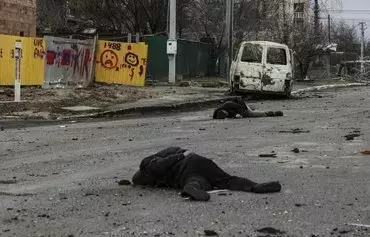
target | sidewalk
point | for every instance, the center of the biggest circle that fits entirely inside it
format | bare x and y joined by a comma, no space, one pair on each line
100,101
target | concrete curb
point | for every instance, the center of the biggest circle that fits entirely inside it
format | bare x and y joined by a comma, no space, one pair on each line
326,87
185,106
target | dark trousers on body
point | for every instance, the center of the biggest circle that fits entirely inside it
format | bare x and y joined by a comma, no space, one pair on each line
210,176
202,175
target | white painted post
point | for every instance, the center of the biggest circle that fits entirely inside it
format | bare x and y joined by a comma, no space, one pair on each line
137,38
362,46
172,44
229,36
129,38
17,81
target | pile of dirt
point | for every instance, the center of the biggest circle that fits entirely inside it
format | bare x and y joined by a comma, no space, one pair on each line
52,100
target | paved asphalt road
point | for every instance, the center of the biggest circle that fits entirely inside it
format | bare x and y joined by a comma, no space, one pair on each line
61,181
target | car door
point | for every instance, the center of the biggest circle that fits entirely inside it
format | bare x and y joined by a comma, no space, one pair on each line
250,68
277,69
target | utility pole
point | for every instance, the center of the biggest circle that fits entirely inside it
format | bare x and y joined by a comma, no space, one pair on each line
172,44
316,20
362,46
229,35
285,25
329,28
329,54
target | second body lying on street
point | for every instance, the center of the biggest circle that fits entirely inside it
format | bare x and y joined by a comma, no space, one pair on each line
180,169
238,107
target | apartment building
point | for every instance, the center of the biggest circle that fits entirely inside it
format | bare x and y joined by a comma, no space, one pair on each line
18,17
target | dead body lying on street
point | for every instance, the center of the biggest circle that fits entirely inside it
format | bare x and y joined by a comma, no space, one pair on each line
238,107
178,168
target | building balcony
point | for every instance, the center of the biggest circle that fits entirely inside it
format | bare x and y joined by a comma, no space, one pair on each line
298,15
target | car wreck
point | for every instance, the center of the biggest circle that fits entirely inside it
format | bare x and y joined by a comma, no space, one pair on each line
262,67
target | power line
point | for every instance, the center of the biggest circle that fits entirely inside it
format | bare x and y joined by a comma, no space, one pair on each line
349,10
355,19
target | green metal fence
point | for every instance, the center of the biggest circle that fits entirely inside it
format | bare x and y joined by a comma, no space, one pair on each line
194,59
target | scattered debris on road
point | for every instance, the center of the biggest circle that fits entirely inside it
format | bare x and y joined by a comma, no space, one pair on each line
342,231
210,233
351,137
271,155
365,152
295,131
270,230
8,182
296,150
124,182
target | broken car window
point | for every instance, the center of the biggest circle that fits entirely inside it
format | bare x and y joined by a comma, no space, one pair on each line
252,53
276,56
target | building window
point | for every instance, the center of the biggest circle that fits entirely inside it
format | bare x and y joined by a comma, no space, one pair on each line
298,10
298,7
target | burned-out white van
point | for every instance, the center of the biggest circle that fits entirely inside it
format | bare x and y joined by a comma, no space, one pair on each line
262,67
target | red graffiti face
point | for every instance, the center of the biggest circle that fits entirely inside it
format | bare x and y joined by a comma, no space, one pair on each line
109,59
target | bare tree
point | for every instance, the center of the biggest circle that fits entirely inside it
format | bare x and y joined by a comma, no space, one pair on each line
51,15
346,37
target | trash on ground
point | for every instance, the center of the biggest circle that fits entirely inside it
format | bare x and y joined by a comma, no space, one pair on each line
283,161
124,182
295,131
271,155
365,152
353,135
271,230
210,233
296,150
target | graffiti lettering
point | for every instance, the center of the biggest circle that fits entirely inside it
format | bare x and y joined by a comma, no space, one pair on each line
132,74
76,59
132,59
109,59
1,53
141,72
66,57
115,46
144,61
38,53
38,42
76,62
50,57
86,61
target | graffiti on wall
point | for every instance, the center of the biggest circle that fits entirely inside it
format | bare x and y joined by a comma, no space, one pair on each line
32,63
38,49
69,62
121,63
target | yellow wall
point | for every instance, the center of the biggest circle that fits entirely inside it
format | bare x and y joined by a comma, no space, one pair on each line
121,63
32,64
